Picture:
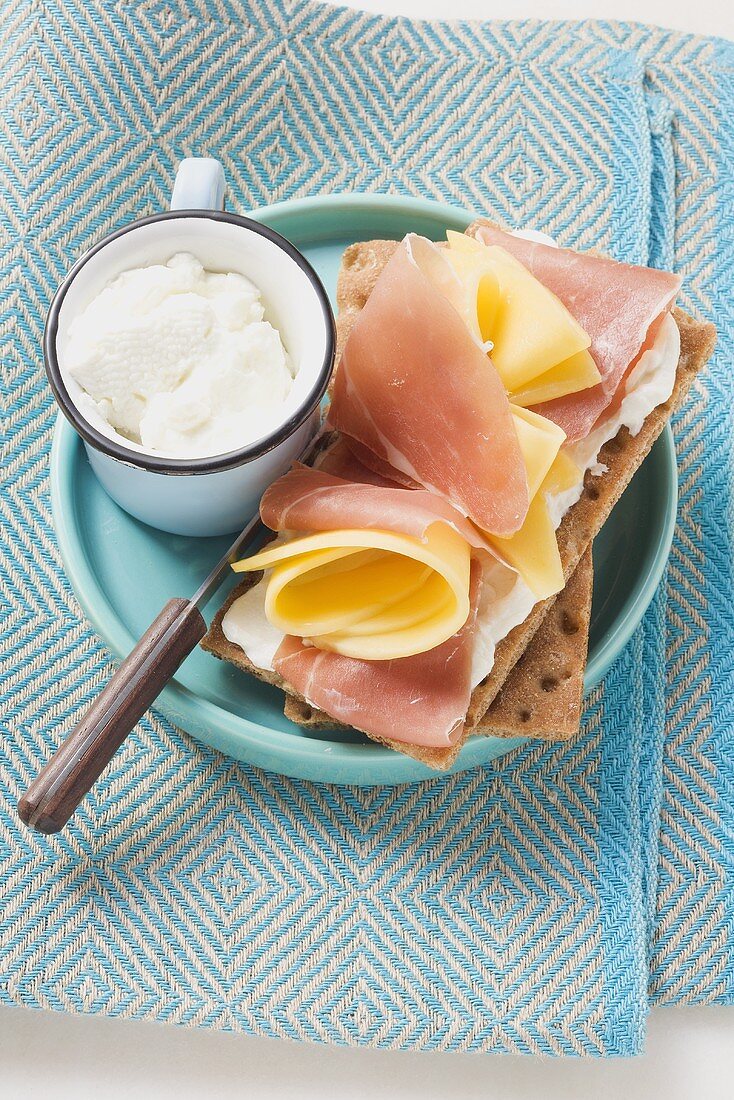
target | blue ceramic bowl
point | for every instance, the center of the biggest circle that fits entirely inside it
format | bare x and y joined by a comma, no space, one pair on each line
123,571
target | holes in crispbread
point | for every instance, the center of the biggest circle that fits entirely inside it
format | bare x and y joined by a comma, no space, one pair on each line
549,683
569,623
525,716
592,491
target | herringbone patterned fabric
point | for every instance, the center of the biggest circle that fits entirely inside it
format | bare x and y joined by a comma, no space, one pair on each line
509,909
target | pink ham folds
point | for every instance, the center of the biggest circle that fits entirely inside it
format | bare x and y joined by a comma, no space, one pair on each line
382,470
341,461
418,392
308,499
618,305
420,700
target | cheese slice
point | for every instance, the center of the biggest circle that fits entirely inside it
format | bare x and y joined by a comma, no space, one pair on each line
579,372
533,550
373,595
536,344
540,441
563,475
475,294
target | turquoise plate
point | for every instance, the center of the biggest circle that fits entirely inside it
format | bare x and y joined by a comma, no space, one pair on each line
123,571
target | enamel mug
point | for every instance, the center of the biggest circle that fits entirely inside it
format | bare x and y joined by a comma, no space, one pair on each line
200,496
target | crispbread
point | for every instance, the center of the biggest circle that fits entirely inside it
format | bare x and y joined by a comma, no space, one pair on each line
560,656
361,266
543,693
216,642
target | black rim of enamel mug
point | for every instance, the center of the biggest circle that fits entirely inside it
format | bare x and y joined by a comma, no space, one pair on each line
230,459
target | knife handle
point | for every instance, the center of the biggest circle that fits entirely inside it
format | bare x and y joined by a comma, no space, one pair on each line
56,792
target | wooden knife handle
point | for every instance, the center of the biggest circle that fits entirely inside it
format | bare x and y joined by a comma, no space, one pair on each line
55,794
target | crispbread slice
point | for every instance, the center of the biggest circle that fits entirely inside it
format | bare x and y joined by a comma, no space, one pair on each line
361,266
216,642
542,696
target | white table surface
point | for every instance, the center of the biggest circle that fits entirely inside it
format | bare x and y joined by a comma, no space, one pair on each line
42,1055
690,1052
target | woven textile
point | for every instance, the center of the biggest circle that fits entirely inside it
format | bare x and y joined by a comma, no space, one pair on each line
532,906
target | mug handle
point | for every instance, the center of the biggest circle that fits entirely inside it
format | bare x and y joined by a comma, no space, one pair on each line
199,185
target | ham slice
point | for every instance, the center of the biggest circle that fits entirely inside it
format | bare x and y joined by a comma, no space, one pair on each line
420,700
341,460
615,303
417,390
378,467
308,499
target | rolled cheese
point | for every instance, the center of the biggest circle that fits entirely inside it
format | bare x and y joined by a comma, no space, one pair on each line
373,595
537,346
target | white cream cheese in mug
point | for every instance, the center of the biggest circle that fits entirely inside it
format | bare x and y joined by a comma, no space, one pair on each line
179,360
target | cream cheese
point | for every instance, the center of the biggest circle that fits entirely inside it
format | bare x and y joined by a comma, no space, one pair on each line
505,602
246,625
535,235
648,385
179,361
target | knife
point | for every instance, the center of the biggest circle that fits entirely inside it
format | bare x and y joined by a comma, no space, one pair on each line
77,764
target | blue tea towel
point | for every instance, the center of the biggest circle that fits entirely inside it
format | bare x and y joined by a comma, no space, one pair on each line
536,905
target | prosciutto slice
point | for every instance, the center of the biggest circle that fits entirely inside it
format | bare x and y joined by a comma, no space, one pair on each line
378,467
417,390
420,700
341,460
308,499
617,305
